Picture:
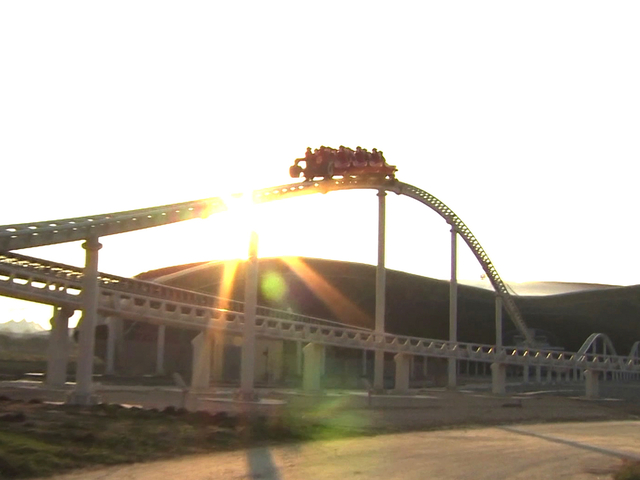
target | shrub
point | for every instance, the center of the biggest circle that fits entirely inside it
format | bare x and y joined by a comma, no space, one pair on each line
629,471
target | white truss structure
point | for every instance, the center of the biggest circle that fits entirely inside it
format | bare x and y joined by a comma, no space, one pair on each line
53,283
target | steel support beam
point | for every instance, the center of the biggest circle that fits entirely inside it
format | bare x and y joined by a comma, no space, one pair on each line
381,274
160,349
248,359
58,348
453,307
83,393
499,344
111,346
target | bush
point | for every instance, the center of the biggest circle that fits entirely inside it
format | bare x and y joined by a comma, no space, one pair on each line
629,471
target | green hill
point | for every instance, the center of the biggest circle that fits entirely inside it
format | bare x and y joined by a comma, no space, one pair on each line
415,305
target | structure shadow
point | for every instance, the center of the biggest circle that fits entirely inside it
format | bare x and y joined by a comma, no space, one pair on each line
261,465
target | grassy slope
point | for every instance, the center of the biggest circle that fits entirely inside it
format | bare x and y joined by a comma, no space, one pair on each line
41,439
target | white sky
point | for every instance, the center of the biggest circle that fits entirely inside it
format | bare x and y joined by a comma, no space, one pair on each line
521,116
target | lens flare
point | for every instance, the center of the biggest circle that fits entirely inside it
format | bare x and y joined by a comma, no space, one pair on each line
273,286
343,308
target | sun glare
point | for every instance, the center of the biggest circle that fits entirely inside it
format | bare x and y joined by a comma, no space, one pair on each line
341,306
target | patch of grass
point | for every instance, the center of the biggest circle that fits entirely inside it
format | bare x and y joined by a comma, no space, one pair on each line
628,471
48,439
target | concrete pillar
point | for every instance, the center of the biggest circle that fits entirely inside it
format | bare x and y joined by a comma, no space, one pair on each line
576,374
549,375
83,393
218,357
592,383
425,366
525,374
247,363
201,361
381,280
323,362
312,367
498,323
498,378
110,368
453,307
299,358
117,325
538,374
364,363
160,349
412,365
58,349
403,364
275,360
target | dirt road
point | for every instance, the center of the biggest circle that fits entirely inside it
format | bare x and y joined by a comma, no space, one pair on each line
569,451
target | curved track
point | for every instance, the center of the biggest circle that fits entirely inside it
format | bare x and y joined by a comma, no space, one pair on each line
18,236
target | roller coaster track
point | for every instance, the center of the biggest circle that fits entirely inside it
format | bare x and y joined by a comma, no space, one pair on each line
42,281
19,236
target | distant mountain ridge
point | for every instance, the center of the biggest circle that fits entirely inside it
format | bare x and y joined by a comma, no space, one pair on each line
21,327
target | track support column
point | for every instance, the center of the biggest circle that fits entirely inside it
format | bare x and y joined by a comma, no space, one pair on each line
299,358
498,378
160,349
248,359
313,353
83,393
110,368
381,274
403,365
453,307
218,357
58,349
498,323
592,383
201,363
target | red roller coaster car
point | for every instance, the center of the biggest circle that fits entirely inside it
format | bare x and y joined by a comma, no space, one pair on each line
327,162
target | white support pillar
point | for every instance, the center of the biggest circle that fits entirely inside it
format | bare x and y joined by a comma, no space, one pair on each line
592,383
160,349
498,378
378,367
247,362
499,344
83,393
58,349
201,362
412,367
218,357
299,358
453,306
276,360
403,364
549,375
364,363
312,367
110,368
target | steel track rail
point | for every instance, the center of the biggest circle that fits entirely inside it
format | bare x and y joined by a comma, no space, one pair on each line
17,270
64,291
18,236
